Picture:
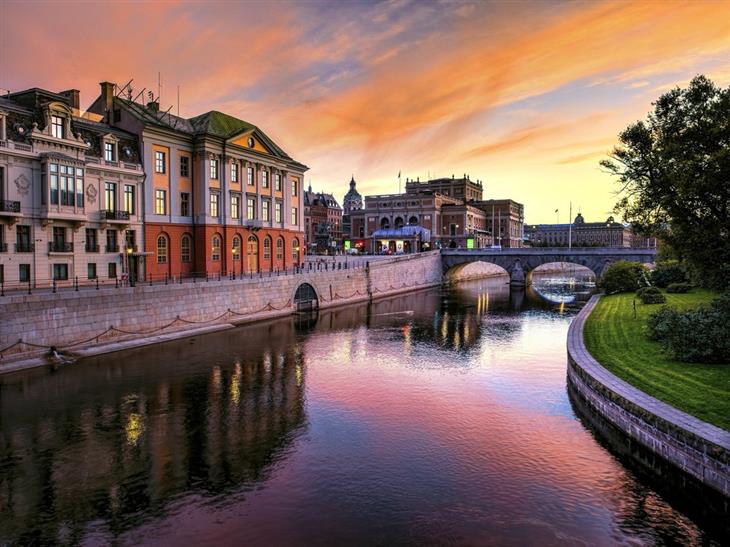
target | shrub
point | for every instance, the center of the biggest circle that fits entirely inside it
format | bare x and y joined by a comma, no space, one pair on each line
669,271
694,336
643,290
622,276
652,297
679,288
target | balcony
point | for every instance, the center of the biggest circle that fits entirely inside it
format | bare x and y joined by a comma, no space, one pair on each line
114,215
60,247
9,206
253,223
91,248
111,248
24,247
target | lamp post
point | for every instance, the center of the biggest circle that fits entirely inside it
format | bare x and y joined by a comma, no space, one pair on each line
129,266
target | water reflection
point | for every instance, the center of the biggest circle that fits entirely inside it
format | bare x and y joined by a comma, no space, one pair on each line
440,417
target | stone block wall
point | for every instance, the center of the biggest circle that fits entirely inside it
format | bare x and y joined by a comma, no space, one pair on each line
72,320
695,447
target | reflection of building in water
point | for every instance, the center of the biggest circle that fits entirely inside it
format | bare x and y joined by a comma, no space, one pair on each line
120,450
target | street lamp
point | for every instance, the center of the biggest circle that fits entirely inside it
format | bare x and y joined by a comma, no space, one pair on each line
129,266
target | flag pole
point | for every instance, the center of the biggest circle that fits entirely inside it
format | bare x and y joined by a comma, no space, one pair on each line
570,227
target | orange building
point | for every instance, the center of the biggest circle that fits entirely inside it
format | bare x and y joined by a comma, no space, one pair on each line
220,196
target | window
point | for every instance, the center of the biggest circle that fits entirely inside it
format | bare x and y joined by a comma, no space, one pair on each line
294,215
277,211
185,248
2,273
108,152
267,247
160,162
59,239
234,172
57,126
129,239
265,179
65,188
236,250
214,169
277,182
249,175
213,205
184,166
293,188
60,272
216,248
235,206
161,249
265,210
250,208
295,250
110,196
92,244
279,248
24,272
91,270
184,204
129,198
112,270
111,241
160,202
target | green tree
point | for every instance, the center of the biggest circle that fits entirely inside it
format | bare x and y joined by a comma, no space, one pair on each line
674,170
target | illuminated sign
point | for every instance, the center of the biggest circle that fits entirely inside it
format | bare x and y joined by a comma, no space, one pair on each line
469,242
347,244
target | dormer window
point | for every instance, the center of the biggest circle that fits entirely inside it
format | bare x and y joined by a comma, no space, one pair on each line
109,151
57,129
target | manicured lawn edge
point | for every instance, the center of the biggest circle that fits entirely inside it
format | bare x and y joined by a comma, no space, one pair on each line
700,449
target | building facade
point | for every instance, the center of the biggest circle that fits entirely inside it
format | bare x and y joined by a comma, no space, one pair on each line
580,234
70,194
322,222
450,209
351,202
221,197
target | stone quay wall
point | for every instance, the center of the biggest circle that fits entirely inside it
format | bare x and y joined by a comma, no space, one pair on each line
697,448
72,321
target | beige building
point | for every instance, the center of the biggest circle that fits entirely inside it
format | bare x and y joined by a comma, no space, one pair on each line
70,190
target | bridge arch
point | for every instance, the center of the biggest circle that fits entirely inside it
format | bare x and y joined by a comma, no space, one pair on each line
474,270
305,298
562,268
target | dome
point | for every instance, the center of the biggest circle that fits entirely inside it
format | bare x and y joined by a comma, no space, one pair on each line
579,219
353,199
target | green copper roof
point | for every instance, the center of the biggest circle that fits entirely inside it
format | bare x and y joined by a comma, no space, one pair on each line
219,124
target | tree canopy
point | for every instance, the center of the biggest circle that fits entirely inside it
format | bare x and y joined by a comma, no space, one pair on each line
674,171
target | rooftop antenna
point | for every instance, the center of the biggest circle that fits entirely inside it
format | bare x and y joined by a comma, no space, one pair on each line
138,94
166,113
125,86
159,86
178,102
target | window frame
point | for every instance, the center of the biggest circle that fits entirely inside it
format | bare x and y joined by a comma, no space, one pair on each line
160,162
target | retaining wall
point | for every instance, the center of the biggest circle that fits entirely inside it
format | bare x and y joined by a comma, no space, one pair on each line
74,320
697,448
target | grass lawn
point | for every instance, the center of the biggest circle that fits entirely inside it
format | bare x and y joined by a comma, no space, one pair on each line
619,343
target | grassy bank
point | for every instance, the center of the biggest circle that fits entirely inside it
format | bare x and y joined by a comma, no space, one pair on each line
619,343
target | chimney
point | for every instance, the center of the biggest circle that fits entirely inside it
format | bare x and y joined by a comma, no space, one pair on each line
73,97
107,95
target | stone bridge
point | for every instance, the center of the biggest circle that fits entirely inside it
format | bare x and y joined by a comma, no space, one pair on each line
518,263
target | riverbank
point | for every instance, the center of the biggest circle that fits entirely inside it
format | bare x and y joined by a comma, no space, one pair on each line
700,449
618,341
103,321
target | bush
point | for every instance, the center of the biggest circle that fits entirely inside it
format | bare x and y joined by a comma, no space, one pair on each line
679,288
694,336
667,272
651,297
643,290
622,276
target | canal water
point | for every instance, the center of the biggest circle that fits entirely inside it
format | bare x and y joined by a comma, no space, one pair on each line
440,417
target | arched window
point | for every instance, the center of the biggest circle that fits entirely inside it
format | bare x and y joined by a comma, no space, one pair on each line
267,247
236,248
295,250
279,248
216,248
413,221
186,245
162,249
398,222
384,224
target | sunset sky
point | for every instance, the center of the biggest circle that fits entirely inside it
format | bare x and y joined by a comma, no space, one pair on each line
526,96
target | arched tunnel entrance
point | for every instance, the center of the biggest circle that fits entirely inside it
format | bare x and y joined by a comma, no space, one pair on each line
563,270
305,298
475,270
